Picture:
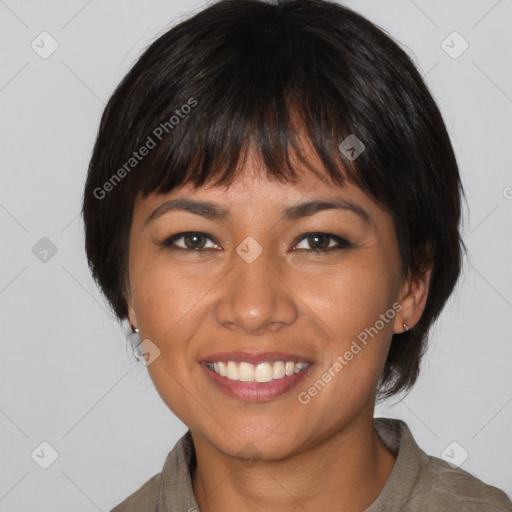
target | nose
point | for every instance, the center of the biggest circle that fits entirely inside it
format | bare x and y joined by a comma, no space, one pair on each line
255,299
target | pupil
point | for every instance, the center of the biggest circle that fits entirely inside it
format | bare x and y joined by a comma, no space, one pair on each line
318,241
194,239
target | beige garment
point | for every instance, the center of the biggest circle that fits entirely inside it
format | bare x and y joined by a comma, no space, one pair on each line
417,483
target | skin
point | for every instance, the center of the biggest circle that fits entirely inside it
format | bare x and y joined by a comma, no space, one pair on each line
192,304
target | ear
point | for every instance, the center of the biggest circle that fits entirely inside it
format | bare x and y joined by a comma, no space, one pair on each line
132,316
414,295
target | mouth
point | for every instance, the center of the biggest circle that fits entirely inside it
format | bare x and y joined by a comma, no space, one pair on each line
266,371
256,377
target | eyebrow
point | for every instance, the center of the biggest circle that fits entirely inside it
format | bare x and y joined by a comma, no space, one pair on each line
203,208
308,208
213,211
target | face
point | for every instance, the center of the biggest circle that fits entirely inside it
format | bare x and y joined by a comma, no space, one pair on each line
272,312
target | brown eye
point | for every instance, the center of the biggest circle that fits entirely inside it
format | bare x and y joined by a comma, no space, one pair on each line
191,240
194,241
321,242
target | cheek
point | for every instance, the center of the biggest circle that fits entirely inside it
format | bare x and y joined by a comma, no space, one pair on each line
355,305
351,298
169,307
166,296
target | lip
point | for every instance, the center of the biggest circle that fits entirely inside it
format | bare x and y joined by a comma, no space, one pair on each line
255,391
255,357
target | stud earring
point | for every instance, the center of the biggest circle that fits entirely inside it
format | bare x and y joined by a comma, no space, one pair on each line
135,329
406,327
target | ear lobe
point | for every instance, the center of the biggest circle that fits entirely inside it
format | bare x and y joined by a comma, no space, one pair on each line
414,295
132,316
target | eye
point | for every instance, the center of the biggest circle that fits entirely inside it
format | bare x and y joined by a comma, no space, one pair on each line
321,242
191,240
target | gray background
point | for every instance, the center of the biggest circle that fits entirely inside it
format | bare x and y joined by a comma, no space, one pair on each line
67,376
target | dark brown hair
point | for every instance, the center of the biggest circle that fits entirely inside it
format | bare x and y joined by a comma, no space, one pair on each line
247,74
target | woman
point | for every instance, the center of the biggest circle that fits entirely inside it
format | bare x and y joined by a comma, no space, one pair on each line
273,203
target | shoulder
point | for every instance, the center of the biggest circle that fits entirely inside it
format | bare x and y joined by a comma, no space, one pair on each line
145,499
171,488
420,482
455,489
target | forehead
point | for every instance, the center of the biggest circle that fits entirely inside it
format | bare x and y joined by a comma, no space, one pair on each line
254,188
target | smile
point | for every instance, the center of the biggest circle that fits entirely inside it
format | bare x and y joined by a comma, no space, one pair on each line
256,377
261,372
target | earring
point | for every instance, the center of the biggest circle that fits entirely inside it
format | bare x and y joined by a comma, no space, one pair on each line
132,337
406,327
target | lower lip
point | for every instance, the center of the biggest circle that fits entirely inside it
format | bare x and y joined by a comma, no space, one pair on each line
256,391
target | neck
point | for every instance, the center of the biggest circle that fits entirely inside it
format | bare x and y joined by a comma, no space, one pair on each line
349,467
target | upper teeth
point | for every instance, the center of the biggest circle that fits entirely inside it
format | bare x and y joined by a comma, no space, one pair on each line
262,372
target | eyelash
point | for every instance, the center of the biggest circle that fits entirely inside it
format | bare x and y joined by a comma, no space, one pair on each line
342,242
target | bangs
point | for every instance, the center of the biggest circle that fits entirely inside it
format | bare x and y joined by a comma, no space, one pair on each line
212,148
239,93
